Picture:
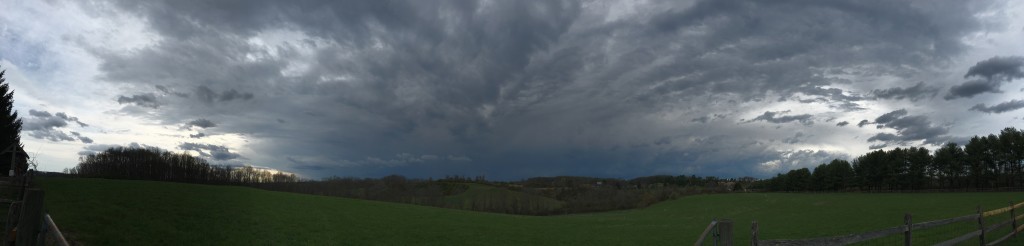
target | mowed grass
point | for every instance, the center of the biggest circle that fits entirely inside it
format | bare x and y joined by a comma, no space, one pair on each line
118,212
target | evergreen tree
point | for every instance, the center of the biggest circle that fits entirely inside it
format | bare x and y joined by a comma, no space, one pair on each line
10,125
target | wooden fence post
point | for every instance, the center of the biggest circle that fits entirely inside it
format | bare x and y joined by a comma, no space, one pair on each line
1013,219
31,218
981,226
724,233
753,233
12,220
907,222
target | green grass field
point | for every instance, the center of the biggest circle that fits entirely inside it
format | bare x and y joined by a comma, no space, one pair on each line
117,212
480,193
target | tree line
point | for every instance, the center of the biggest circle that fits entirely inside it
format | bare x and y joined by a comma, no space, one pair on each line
985,162
155,164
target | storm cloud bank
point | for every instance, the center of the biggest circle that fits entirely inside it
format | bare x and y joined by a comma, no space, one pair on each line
514,89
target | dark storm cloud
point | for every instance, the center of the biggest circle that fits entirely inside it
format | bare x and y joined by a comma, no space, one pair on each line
909,128
971,88
374,79
44,125
917,92
208,95
1001,107
217,152
201,123
998,68
778,117
142,100
992,72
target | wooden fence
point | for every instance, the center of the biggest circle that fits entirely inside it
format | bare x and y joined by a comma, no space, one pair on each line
722,235
27,223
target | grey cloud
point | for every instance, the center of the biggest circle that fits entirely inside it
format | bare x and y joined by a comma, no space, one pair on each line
891,116
794,139
217,152
233,94
862,123
67,118
168,91
913,93
52,135
992,72
971,88
380,78
459,158
201,123
778,117
702,119
44,125
197,135
1001,107
998,68
208,95
843,123
142,100
41,114
835,97
84,139
909,128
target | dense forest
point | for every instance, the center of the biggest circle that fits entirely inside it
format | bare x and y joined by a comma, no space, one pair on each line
985,162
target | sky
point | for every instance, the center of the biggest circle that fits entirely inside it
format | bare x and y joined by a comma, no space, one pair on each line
511,89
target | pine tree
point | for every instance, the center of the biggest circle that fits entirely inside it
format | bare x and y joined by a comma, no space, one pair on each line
10,125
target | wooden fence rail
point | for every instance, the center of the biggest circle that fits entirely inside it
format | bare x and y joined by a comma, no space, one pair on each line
906,229
704,235
27,222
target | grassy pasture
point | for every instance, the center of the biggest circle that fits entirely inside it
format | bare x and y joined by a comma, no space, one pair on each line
118,212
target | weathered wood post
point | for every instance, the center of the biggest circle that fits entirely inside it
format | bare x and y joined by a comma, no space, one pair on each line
31,218
753,233
12,220
981,226
1013,220
724,233
908,224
